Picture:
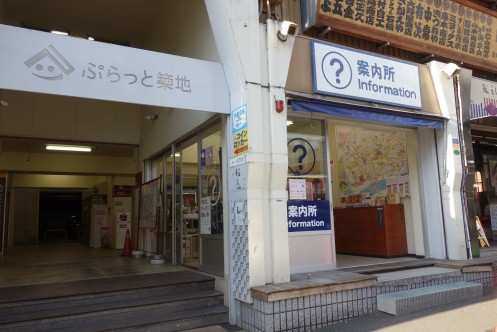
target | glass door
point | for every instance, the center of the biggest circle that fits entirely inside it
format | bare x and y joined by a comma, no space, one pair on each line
187,204
168,207
211,201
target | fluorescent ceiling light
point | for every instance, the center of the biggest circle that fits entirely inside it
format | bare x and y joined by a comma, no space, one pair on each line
78,148
59,32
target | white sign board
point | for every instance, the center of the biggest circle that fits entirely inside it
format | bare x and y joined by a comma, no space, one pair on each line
344,72
297,188
238,179
483,98
43,62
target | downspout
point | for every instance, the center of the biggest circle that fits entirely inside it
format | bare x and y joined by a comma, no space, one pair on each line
444,228
464,165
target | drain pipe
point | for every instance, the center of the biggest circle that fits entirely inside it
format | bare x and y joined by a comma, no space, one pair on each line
464,165
446,250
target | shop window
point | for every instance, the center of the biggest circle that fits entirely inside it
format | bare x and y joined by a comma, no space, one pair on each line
307,179
307,174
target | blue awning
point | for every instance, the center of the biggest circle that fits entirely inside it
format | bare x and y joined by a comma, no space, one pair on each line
369,114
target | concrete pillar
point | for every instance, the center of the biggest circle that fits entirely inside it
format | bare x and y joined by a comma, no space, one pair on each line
256,64
450,166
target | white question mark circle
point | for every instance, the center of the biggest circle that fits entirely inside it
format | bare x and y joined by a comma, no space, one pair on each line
336,70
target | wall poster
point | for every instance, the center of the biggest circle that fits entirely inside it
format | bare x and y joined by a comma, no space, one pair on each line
372,165
150,200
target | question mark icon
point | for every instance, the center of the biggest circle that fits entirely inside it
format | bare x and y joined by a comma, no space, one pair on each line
339,70
302,156
336,70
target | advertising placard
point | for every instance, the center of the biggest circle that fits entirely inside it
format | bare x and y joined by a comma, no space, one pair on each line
239,129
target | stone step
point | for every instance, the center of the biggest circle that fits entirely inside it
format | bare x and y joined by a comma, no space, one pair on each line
403,302
171,301
416,278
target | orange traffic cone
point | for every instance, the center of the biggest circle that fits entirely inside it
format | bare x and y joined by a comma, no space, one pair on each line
127,245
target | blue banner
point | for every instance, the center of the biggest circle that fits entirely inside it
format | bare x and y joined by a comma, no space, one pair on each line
308,216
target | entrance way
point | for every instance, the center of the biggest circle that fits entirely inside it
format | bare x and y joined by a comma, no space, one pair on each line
59,216
193,200
187,202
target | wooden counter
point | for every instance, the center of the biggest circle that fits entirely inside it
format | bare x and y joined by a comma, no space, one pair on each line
375,230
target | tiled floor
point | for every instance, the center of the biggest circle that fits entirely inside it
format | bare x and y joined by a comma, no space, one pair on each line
38,264
67,261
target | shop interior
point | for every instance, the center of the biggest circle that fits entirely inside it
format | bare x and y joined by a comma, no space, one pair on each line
364,152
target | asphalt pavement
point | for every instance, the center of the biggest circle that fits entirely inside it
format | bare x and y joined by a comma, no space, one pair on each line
472,315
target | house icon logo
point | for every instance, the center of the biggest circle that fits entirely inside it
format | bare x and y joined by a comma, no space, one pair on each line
49,64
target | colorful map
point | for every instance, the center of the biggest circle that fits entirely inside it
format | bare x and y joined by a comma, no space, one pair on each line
369,159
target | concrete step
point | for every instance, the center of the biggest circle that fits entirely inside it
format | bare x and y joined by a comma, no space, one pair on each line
85,307
416,278
403,302
158,302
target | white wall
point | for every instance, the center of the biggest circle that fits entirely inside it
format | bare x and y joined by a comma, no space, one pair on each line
54,181
185,30
64,163
58,117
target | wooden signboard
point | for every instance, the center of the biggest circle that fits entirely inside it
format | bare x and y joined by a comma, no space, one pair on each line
458,30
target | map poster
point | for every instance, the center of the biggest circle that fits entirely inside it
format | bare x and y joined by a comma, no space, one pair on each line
371,161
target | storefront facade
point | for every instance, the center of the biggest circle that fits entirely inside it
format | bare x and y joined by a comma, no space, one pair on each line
254,170
375,150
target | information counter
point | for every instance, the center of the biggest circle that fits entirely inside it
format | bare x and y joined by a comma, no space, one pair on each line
374,230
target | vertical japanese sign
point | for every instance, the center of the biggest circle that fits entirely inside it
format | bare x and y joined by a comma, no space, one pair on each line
239,129
307,216
341,71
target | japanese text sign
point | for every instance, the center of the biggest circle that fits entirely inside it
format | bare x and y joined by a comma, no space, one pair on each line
239,129
344,72
458,30
305,216
47,63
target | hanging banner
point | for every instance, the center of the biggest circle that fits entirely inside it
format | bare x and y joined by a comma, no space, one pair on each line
462,32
